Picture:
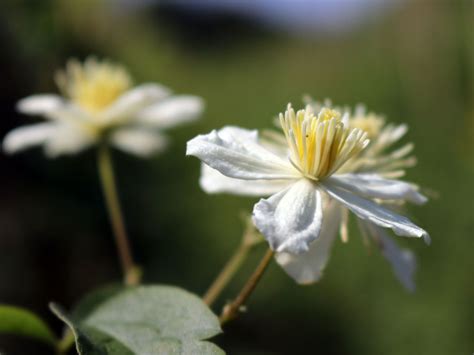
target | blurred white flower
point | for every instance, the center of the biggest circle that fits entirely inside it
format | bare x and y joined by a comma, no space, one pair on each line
99,103
301,179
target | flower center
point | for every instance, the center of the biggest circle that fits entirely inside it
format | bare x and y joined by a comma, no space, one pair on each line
93,85
320,145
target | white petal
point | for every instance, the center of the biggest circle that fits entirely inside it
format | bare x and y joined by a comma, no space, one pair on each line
371,211
25,137
132,102
402,260
70,113
291,219
236,153
69,139
39,104
138,141
172,111
213,182
308,267
374,186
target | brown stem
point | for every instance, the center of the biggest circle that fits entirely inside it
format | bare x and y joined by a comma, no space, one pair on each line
231,310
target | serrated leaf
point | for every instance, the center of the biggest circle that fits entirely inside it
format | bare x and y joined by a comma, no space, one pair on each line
146,320
19,321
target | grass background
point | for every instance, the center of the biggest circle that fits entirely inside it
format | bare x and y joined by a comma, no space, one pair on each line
415,64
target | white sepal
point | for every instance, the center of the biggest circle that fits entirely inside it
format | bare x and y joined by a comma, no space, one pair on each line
25,137
39,104
373,186
129,104
239,155
308,267
172,111
368,210
291,219
139,142
214,182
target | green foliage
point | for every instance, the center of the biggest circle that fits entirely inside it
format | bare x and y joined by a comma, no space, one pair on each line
142,320
19,321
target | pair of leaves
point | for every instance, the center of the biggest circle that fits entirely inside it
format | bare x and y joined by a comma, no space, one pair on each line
142,320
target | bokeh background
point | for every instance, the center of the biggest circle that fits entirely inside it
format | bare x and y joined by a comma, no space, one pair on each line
412,60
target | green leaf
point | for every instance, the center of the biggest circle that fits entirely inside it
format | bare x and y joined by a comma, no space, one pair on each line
144,320
94,299
19,321
90,341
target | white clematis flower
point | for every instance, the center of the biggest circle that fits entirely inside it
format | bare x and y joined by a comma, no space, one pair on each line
304,180
99,103
373,162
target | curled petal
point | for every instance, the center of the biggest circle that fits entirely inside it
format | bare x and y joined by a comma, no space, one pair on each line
236,153
291,219
28,136
138,141
39,104
212,182
308,267
172,111
133,101
374,186
368,210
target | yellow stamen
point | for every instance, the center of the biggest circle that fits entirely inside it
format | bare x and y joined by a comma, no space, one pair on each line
320,145
93,85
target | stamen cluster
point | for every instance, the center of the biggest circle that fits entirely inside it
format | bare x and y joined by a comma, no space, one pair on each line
93,85
320,144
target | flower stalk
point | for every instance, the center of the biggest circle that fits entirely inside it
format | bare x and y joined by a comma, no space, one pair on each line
132,273
232,310
249,239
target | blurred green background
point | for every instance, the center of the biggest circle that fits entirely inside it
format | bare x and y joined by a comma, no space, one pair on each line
414,62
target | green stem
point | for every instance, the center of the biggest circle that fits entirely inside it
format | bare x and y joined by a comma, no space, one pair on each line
231,311
130,270
249,239
226,274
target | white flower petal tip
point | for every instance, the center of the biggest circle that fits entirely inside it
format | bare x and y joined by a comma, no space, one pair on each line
291,219
172,111
236,153
39,104
427,238
27,136
304,277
